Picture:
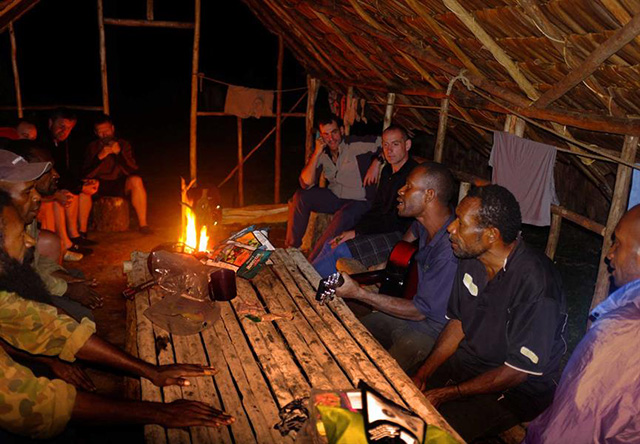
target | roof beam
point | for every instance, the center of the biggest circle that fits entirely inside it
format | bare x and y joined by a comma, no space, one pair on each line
488,41
612,45
423,13
12,12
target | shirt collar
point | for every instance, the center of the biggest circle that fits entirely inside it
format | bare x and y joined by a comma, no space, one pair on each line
627,294
442,231
515,252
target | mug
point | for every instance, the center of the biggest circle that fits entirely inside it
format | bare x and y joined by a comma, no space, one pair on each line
222,285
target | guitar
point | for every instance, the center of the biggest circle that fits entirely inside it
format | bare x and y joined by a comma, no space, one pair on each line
399,278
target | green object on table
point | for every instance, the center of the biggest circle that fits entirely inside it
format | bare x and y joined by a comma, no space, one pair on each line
435,435
342,426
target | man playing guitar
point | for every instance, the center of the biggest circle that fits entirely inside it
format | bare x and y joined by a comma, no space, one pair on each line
408,328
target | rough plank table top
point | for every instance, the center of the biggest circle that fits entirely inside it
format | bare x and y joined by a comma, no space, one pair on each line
264,366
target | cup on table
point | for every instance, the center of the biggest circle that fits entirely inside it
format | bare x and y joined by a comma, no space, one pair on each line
222,285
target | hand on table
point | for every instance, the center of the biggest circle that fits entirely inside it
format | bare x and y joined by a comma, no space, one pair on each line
175,374
183,413
441,395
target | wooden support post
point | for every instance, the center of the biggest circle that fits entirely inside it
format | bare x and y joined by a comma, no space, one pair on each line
442,130
278,161
14,64
618,207
150,10
312,95
554,236
463,191
240,165
103,60
388,112
514,125
193,135
347,127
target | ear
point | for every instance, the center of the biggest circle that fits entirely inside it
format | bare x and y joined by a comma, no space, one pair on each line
407,145
492,234
429,195
342,131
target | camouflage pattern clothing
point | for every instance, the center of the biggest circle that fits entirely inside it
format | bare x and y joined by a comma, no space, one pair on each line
45,267
32,406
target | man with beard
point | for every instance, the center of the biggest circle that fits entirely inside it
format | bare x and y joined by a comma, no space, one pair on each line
496,362
20,180
42,408
409,328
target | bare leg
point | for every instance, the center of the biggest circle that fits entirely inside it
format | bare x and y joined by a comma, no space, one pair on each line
135,186
47,217
49,245
71,214
61,225
84,210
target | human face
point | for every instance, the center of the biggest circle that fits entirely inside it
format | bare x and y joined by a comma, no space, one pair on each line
27,131
105,130
395,147
61,128
331,135
412,196
466,236
624,253
25,198
16,240
47,185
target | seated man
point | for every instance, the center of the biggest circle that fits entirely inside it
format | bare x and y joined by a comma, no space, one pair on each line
597,397
374,236
66,206
409,328
24,130
496,362
42,408
345,197
110,161
18,179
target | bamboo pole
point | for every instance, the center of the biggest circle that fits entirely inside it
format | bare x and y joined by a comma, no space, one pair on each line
442,130
150,10
514,125
312,95
240,165
347,127
388,112
193,134
14,64
223,114
554,235
49,107
278,160
103,60
618,207
148,23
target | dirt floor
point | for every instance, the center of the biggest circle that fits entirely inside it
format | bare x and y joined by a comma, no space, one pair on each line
577,259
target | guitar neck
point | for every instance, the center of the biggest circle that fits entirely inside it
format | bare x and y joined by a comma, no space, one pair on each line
369,277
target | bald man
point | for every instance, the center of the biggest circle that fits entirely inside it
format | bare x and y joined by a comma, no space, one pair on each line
598,398
409,328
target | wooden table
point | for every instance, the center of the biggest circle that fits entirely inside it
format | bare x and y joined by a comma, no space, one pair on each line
263,366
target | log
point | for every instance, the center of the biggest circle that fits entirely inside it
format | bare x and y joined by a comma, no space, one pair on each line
149,23
318,222
103,60
554,236
150,10
312,87
438,152
618,208
111,214
14,65
388,112
193,123
278,159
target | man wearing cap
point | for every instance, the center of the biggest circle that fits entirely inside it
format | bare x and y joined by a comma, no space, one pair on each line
41,408
18,178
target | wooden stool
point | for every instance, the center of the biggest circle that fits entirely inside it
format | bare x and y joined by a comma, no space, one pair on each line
111,214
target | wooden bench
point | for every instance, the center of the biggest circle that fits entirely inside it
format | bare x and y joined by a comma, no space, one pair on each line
264,366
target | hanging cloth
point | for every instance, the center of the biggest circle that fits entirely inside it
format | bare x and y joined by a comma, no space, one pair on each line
525,168
247,102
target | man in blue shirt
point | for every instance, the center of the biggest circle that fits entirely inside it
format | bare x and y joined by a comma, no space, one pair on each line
598,398
408,328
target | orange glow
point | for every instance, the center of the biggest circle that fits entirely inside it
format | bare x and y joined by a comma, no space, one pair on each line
204,239
189,234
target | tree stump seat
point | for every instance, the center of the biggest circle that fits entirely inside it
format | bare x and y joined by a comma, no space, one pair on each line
111,214
318,222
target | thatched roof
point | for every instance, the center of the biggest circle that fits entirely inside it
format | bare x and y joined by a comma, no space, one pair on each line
11,10
514,53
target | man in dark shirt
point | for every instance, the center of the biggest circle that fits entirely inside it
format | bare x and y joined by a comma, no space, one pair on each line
373,238
496,362
409,328
110,161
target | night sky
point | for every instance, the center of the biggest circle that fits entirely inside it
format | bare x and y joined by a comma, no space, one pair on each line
149,82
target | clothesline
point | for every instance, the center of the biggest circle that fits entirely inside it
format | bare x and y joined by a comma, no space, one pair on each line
202,76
